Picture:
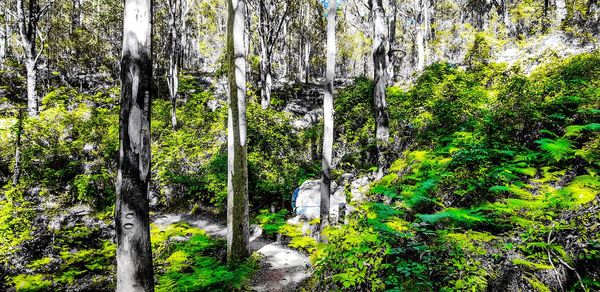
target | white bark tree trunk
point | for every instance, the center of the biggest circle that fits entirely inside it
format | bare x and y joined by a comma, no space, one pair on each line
173,73
132,222
328,118
32,100
237,164
419,36
28,33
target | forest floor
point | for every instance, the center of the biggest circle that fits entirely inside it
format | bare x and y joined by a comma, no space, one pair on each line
280,268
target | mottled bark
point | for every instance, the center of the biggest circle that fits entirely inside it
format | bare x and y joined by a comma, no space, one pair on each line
328,118
237,164
132,224
380,80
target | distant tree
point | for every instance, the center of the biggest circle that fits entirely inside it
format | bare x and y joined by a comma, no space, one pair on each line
237,165
178,11
328,116
272,19
132,222
28,19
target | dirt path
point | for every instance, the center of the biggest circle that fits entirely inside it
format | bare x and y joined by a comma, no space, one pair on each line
281,268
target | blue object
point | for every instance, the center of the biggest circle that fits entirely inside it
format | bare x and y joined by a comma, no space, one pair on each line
294,197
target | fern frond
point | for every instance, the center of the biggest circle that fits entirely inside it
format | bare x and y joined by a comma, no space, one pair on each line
559,149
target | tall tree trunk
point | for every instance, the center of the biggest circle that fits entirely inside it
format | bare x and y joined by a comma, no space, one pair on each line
28,33
561,10
328,118
391,70
380,78
286,59
17,169
132,224
173,74
237,164
307,50
3,37
419,36
265,76
75,15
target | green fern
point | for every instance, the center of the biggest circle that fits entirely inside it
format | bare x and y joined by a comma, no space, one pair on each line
559,149
577,129
461,216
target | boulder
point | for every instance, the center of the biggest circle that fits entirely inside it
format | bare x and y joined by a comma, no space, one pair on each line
308,202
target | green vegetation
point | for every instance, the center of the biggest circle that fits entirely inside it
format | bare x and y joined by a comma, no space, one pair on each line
186,259
496,168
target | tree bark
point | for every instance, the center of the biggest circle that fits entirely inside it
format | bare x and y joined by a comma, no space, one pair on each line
328,118
28,32
380,80
237,164
173,73
3,37
32,100
132,224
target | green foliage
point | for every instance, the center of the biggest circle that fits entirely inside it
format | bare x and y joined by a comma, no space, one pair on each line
271,223
186,259
31,283
494,155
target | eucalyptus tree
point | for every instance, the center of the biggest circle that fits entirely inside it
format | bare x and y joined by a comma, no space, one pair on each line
178,11
132,223
328,116
28,19
272,19
380,80
237,162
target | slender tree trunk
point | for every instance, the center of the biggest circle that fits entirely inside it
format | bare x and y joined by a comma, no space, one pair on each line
419,37
266,44
265,76
307,50
3,37
75,15
286,59
391,70
561,10
17,169
328,118
28,32
380,78
173,75
237,165
132,224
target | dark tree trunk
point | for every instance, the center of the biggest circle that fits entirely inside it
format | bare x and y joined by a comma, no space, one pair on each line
132,224
237,165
